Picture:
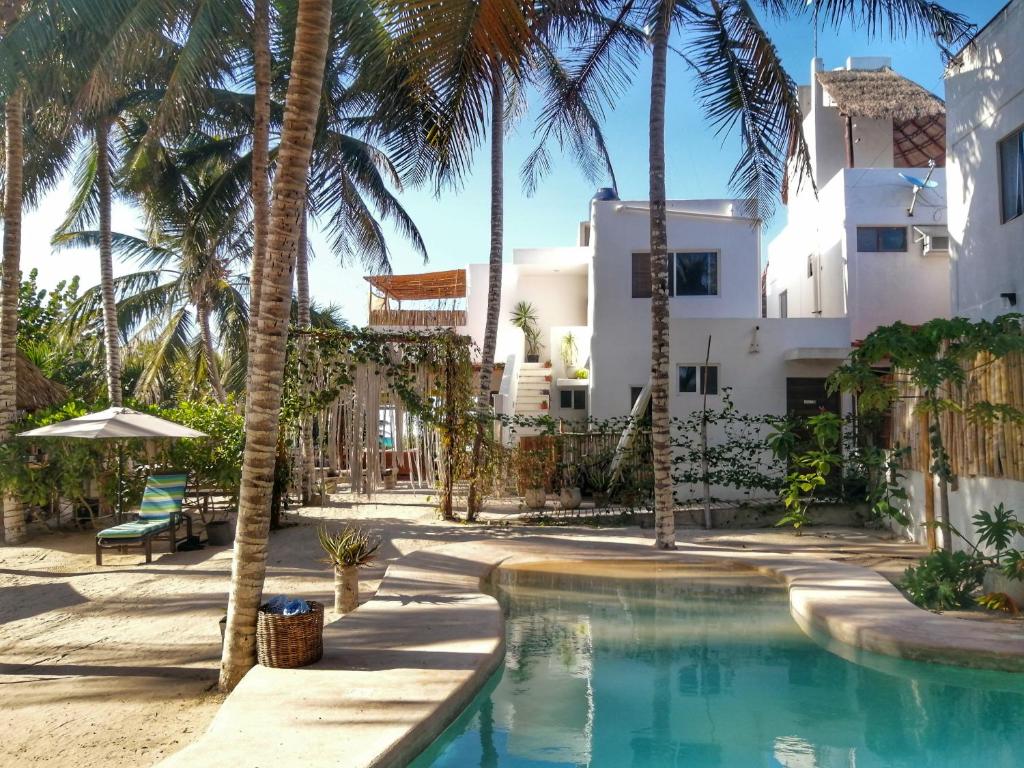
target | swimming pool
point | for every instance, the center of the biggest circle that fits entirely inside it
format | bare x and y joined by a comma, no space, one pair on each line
609,665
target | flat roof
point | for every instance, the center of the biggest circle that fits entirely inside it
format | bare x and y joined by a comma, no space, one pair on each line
449,284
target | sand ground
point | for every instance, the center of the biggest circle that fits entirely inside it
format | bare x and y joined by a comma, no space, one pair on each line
117,665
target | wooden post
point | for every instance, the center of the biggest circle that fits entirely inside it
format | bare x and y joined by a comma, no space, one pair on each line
924,445
848,122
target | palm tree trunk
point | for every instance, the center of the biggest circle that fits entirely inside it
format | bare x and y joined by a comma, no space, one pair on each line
493,279
303,316
266,363
212,367
664,516
10,287
111,335
260,156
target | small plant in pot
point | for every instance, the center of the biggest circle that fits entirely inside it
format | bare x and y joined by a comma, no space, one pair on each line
524,317
569,353
347,550
599,479
570,496
532,470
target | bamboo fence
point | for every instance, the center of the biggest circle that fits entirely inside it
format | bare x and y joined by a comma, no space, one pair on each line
975,448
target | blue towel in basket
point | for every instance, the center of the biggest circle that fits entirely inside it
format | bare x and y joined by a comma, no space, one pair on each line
287,606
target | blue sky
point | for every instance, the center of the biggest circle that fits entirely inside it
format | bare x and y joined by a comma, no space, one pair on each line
455,226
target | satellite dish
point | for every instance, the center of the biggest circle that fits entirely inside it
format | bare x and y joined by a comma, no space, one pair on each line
919,183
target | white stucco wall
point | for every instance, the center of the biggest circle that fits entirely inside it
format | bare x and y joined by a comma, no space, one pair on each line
985,102
757,379
972,494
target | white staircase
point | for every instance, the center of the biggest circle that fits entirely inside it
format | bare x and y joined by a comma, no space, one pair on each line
534,393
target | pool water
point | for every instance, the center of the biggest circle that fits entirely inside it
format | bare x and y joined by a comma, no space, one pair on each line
692,667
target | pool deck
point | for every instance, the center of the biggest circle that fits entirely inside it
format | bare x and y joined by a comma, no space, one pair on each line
398,670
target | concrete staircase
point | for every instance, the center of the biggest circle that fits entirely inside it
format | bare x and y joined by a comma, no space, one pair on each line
533,396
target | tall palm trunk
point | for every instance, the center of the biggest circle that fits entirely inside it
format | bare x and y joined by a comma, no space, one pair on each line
10,286
260,156
303,316
111,335
210,354
494,274
664,516
266,361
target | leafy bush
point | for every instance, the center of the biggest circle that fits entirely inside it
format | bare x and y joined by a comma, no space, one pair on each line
215,462
943,580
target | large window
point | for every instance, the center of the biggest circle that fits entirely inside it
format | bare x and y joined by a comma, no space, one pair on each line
688,375
690,273
1011,175
881,239
784,304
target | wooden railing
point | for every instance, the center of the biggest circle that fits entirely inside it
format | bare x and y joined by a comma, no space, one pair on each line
418,318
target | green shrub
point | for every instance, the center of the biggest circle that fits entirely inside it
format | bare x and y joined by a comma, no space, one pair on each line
944,581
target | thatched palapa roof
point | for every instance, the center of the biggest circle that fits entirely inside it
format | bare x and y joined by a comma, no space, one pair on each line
918,117
450,284
35,391
880,93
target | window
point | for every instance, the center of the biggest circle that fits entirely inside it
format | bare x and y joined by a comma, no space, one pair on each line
881,239
784,304
689,274
810,266
573,399
693,274
708,378
1011,175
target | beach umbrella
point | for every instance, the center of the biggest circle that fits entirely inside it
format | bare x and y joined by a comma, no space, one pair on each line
118,425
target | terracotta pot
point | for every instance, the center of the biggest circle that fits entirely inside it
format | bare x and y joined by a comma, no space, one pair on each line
570,498
346,589
390,481
535,498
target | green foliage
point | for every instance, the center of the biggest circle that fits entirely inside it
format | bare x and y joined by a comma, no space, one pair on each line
996,530
533,467
348,548
811,468
886,494
216,461
524,317
583,374
944,580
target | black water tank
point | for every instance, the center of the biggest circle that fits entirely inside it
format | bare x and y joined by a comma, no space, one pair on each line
605,194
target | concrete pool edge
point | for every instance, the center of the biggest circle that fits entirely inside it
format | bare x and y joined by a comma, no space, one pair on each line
398,671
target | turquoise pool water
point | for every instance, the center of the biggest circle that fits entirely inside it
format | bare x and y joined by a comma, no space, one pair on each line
696,668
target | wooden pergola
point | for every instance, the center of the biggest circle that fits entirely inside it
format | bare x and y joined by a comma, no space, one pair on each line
425,286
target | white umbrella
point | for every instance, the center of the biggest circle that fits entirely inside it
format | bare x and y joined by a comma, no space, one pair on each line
115,424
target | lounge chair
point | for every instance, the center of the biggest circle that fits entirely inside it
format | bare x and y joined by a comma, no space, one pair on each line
159,517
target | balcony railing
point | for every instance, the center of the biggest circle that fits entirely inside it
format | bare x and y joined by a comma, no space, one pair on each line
418,318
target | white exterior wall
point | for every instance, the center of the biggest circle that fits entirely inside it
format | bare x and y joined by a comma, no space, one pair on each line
757,379
973,494
985,102
872,289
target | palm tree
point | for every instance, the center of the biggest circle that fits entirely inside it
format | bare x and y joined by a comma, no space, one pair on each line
741,82
266,360
262,75
471,56
10,280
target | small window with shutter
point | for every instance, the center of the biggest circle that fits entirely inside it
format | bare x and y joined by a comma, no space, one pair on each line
641,275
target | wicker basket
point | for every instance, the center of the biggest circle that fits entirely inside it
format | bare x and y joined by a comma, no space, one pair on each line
290,641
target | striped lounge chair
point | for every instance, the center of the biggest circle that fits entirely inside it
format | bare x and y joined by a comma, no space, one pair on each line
159,516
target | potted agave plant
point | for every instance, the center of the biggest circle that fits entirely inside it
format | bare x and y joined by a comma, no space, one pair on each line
570,496
347,550
524,317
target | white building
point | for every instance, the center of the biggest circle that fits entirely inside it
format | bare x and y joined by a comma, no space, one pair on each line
985,102
852,247
599,291
985,171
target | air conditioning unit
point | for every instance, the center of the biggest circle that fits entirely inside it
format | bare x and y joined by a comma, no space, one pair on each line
933,240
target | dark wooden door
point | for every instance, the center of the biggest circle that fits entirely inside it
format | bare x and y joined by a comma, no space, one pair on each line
809,397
